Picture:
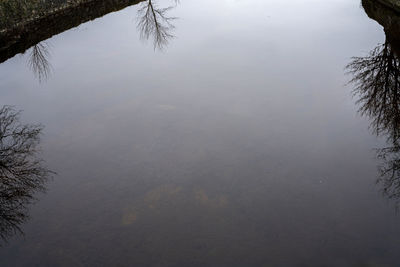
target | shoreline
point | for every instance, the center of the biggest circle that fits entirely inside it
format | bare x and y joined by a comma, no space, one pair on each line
388,18
26,34
393,4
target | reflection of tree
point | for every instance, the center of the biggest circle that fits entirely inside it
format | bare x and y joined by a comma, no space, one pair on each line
390,170
377,80
154,22
21,171
38,61
377,87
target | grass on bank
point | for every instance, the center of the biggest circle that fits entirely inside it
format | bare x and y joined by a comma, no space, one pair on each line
13,12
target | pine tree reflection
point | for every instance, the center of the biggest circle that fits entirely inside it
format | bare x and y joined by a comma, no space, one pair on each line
22,173
377,87
154,22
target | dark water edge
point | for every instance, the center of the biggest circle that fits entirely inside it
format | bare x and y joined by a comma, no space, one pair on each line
19,39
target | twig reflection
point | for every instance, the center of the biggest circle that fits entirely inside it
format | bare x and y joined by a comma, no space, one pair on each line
377,80
22,173
377,87
155,22
38,61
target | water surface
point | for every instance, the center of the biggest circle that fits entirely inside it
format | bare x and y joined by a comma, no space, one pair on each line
234,142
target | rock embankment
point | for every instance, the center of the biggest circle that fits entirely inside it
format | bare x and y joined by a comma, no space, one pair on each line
385,16
394,4
25,34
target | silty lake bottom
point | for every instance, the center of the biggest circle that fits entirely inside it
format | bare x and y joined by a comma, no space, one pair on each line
232,137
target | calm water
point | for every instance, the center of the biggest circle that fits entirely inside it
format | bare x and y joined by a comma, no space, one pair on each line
235,143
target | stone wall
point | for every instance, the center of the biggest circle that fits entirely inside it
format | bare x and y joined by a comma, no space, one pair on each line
394,4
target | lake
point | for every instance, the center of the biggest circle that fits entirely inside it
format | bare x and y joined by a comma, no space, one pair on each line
217,133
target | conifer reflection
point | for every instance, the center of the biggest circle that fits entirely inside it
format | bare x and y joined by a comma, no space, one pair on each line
22,172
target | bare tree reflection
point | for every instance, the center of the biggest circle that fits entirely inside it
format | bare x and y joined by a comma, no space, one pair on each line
22,173
38,61
390,171
377,87
377,80
155,22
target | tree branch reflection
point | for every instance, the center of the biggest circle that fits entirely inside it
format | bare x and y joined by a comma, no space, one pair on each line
155,22
38,61
376,78
377,81
22,173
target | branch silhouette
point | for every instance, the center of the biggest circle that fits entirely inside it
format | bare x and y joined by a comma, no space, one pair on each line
154,22
377,82
38,61
376,78
22,173
377,86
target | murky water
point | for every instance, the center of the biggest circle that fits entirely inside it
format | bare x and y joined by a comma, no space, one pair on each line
227,138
